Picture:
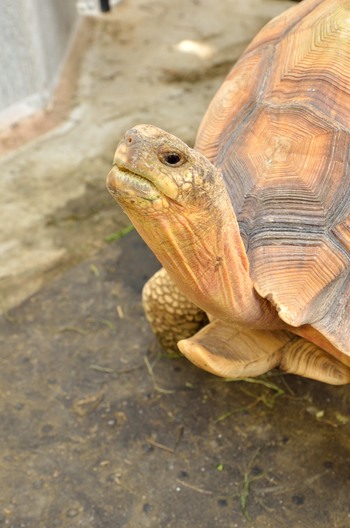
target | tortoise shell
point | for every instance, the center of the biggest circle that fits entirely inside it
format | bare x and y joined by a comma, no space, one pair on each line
279,130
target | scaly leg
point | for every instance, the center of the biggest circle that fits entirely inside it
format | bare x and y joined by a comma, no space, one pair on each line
171,316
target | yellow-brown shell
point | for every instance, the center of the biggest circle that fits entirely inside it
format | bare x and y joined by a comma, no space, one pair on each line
279,129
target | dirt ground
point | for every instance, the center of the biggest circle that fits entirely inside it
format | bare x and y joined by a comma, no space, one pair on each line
98,428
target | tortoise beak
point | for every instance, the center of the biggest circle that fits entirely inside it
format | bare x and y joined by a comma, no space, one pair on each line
127,149
126,180
137,154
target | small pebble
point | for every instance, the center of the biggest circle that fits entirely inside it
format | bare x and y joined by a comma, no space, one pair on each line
47,428
38,484
72,512
298,499
328,464
147,508
256,470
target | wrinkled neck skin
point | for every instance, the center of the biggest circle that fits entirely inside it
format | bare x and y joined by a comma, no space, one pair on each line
200,247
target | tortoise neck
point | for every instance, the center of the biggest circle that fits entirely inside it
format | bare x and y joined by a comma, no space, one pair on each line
223,287
202,250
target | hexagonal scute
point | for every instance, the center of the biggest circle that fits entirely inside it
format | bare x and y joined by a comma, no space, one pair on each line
285,164
307,63
291,275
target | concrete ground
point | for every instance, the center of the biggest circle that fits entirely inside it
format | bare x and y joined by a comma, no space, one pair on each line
97,427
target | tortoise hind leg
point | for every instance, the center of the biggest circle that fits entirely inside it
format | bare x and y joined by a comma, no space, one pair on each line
171,316
306,359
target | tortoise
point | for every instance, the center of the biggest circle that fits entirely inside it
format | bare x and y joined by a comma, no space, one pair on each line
252,226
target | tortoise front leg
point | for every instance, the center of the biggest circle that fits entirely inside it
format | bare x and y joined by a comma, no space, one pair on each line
234,351
171,315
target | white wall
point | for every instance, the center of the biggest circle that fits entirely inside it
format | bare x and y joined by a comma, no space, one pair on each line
34,36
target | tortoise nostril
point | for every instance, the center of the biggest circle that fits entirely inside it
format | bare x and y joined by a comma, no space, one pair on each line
130,136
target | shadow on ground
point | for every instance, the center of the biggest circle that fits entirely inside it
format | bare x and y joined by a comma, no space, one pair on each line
98,429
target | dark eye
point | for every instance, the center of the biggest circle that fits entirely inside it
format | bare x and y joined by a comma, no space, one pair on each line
173,159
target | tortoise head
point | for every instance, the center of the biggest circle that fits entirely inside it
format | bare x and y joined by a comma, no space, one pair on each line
154,171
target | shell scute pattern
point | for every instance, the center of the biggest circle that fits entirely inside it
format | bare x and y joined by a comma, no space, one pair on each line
315,61
284,151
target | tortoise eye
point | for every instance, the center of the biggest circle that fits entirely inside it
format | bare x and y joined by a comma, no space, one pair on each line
171,158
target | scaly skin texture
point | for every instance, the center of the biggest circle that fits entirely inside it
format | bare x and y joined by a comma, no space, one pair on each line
183,212
171,315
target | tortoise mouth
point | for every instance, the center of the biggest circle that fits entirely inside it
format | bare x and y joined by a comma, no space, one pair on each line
123,182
